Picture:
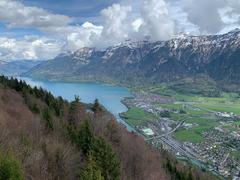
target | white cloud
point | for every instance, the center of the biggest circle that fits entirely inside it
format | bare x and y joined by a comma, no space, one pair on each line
16,14
122,23
76,37
205,14
212,16
119,24
137,24
157,22
135,19
115,27
28,47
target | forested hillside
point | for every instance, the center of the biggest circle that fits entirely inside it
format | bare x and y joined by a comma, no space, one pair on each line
44,137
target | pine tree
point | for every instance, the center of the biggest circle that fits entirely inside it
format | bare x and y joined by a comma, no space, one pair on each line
106,159
96,106
85,137
48,119
72,111
77,99
91,171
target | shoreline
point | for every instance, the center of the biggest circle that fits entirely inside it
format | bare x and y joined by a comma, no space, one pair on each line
120,117
69,80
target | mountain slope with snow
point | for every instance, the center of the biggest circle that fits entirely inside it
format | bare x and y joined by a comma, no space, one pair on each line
217,56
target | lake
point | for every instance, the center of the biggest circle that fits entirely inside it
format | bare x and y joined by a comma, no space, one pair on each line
109,96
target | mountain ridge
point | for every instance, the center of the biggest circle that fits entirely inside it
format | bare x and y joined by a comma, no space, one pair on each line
214,55
15,68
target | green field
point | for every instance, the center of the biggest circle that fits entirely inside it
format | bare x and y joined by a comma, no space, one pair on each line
199,112
222,98
226,102
234,108
235,154
178,117
189,136
194,134
165,91
189,109
195,109
210,122
138,117
237,123
172,106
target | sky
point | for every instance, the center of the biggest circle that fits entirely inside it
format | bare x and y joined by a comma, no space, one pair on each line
42,29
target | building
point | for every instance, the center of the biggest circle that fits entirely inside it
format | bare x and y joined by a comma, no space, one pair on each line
225,114
148,132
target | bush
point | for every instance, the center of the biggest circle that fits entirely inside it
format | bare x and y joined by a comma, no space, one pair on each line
165,114
182,111
34,109
10,168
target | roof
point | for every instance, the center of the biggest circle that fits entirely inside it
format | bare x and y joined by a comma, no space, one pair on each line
148,131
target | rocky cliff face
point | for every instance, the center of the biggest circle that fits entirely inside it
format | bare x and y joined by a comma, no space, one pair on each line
217,56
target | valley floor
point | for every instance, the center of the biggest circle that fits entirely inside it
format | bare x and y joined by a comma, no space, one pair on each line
202,130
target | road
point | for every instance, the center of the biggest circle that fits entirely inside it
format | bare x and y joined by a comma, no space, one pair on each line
225,159
168,133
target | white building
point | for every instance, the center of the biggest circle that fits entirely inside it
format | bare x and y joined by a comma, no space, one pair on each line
148,132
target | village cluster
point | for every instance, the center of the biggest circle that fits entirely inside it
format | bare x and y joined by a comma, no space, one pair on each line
219,152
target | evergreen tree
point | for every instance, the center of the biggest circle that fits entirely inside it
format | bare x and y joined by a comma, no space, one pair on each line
91,171
85,137
106,159
96,106
82,136
72,111
34,108
48,119
77,99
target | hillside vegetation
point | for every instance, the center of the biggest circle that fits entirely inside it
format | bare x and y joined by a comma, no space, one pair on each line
44,137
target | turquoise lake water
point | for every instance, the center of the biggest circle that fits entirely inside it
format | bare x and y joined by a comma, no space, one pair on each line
109,96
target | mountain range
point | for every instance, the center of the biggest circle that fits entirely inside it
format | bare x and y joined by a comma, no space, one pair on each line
15,68
216,56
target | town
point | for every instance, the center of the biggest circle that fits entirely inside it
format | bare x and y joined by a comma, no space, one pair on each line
192,130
